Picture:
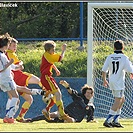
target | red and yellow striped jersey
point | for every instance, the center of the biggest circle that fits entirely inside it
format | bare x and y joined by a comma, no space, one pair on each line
47,62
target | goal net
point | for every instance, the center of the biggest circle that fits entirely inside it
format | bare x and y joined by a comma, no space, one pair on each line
108,22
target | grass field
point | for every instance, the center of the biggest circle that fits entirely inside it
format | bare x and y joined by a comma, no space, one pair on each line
42,126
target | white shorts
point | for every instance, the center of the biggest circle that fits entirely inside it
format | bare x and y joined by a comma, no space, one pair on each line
118,93
7,85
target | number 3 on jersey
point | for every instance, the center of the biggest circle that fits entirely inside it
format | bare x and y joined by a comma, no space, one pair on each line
115,67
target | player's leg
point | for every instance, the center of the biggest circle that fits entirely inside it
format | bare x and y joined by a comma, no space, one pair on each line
49,83
32,91
113,111
34,80
10,88
8,104
115,121
25,107
59,104
36,118
116,117
13,106
48,107
53,115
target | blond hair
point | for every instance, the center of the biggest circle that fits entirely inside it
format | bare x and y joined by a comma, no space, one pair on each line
49,44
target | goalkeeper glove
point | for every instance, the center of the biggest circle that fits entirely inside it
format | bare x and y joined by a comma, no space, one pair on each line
65,84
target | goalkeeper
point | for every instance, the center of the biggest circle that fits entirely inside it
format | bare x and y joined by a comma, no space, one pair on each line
80,108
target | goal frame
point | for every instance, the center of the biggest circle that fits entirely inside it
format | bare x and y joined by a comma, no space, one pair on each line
90,7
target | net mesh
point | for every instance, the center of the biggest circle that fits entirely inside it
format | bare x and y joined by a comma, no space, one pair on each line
110,24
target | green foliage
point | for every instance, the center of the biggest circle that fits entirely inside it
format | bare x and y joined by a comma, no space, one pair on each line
101,51
41,19
74,63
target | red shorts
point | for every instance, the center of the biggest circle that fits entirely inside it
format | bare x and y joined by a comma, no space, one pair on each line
21,78
49,83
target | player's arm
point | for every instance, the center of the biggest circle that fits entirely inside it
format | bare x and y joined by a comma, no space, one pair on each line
66,85
69,89
21,64
104,71
7,65
56,70
63,51
90,113
105,82
74,94
15,58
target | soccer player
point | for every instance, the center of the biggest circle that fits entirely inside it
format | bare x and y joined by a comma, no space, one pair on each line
81,107
48,59
21,79
117,64
7,83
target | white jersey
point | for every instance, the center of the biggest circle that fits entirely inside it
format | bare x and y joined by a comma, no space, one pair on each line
117,64
6,80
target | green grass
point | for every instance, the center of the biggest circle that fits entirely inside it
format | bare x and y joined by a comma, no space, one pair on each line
73,65
43,126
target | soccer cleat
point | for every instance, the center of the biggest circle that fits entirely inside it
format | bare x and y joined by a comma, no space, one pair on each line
67,119
46,114
116,124
22,120
29,120
8,120
106,124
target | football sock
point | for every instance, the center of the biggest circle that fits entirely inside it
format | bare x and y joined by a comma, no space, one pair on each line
37,92
40,84
16,108
12,110
23,110
60,107
8,106
111,115
116,117
50,104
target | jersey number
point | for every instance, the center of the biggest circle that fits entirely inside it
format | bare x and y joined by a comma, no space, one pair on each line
115,67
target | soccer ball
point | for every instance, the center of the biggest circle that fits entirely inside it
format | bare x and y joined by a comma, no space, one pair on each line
47,98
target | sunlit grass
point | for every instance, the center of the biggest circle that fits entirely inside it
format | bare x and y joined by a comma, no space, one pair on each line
43,126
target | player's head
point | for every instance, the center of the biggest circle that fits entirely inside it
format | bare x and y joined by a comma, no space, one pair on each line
13,45
118,45
87,91
49,46
4,40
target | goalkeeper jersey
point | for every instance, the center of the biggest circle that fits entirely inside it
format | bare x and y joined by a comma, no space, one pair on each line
77,109
117,64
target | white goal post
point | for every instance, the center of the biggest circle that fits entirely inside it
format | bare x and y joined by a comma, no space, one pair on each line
108,22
